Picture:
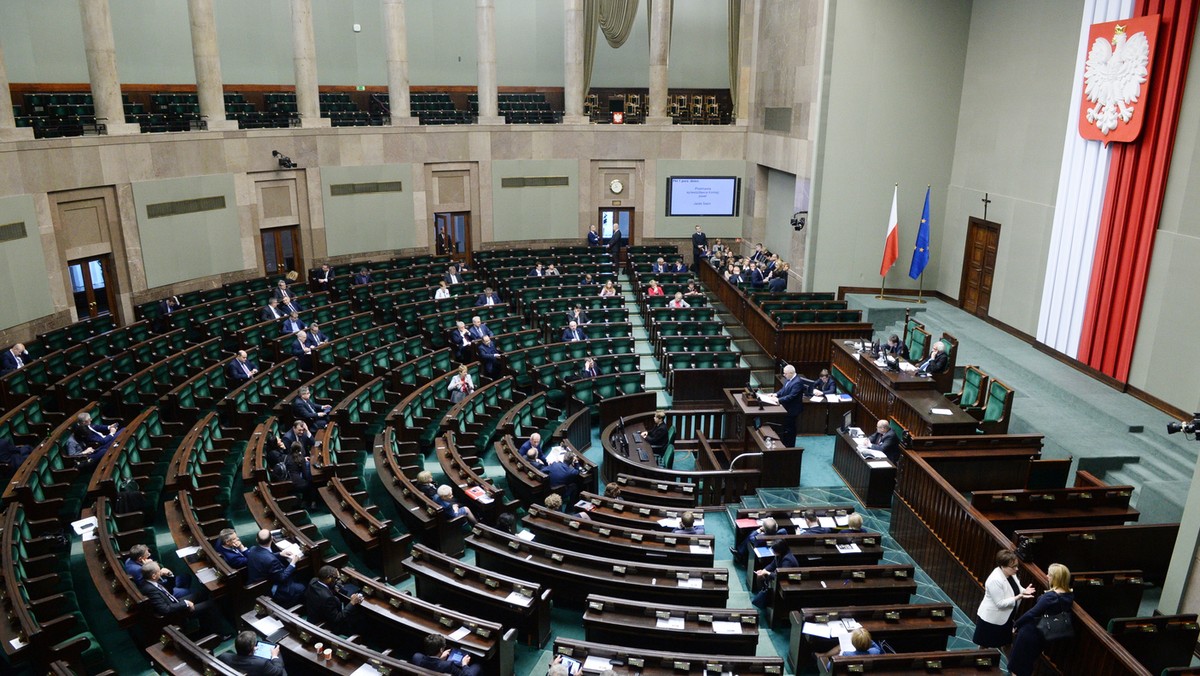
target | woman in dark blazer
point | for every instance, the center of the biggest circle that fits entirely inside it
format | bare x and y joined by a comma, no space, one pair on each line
1029,642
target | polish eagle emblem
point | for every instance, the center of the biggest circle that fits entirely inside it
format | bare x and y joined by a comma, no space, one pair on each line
1115,77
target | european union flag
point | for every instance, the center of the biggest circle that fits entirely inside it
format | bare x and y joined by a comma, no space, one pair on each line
921,250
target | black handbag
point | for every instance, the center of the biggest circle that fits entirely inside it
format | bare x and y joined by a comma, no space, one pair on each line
1057,626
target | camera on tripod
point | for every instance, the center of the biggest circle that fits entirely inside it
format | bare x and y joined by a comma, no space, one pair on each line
1185,426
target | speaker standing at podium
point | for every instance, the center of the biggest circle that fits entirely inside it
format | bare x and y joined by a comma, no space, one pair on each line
791,398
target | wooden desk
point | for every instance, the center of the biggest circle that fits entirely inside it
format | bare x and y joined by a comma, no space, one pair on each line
776,464
872,486
906,397
634,623
908,628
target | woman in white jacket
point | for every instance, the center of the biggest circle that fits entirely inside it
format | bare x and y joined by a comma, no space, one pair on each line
1001,594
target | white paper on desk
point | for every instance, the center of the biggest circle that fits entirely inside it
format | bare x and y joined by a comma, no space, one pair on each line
669,623
862,442
365,670
89,535
485,499
206,575
879,464
267,625
459,634
287,546
669,522
844,642
772,399
907,367
850,623
817,398
842,521
826,522
837,629
692,583
518,597
555,454
849,548
596,663
17,643
186,551
725,627
699,549
84,526
815,629
526,535
941,411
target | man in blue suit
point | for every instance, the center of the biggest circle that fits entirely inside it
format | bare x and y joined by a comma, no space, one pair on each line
488,297
13,358
573,333
593,236
241,368
139,556
791,398
264,564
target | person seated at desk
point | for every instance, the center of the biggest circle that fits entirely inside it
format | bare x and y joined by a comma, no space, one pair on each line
654,289
759,254
687,525
534,441
301,350
553,502
453,276
692,290
315,336
293,324
678,301
230,547
361,278
608,290
734,275
577,315
679,266
885,440
477,330
243,659
299,469
779,280
12,455
139,556
573,334
461,385
824,384
896,347
552,270
758,280
170,609
324,278
445,499
460,338
322,605
304,408
489,356
436,656
287,299
298,434
659,266
783,558
853,525
589,369
659,435
15,357
534,456
488,297
443,291
87,443
767,529
588,280
860,638
272,311
263,563
538,270
937,361
564,477
241,368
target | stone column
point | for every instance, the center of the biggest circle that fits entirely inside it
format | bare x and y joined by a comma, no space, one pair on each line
485,33
102,67
660,51
573,93
8,124
747,60
206,58
304,60
395,39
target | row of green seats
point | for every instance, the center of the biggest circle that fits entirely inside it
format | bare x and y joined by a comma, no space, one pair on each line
817,316
666,344
700,360
556,303
553,374
476,417
240,406
682,314
599,276
591,391
368,361
411,311
522,361
710,327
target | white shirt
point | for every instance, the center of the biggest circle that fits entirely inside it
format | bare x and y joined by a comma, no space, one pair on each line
441,293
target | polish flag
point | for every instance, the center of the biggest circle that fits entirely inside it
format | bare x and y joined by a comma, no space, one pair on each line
891,245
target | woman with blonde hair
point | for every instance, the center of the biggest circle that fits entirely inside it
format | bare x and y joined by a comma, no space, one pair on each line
461,385
1030,641
608,289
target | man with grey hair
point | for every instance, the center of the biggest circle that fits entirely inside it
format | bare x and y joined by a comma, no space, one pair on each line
936,362
304,408
171,609
791,398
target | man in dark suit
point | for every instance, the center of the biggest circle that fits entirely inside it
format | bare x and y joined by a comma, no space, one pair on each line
299,433
324,278
659,435
885,440
293,324
573,333
478,329
779,279
756,276
304,408
322,605
537,271
896,346
825,383
139,556
488,297
489,356
13,358
577,315
784,558
244,660
699,239
230,547
593,238
166,308
679,266
564,478
615,243
436,657
11,454
453,276
659,267
272,311
300,348
534,441
241,368
759,256
362,277
264,564
460,338
937,361
171,609
315,337
791,398
589,369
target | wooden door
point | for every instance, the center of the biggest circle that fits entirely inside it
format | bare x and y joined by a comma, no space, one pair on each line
281,250
93,286
979,265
